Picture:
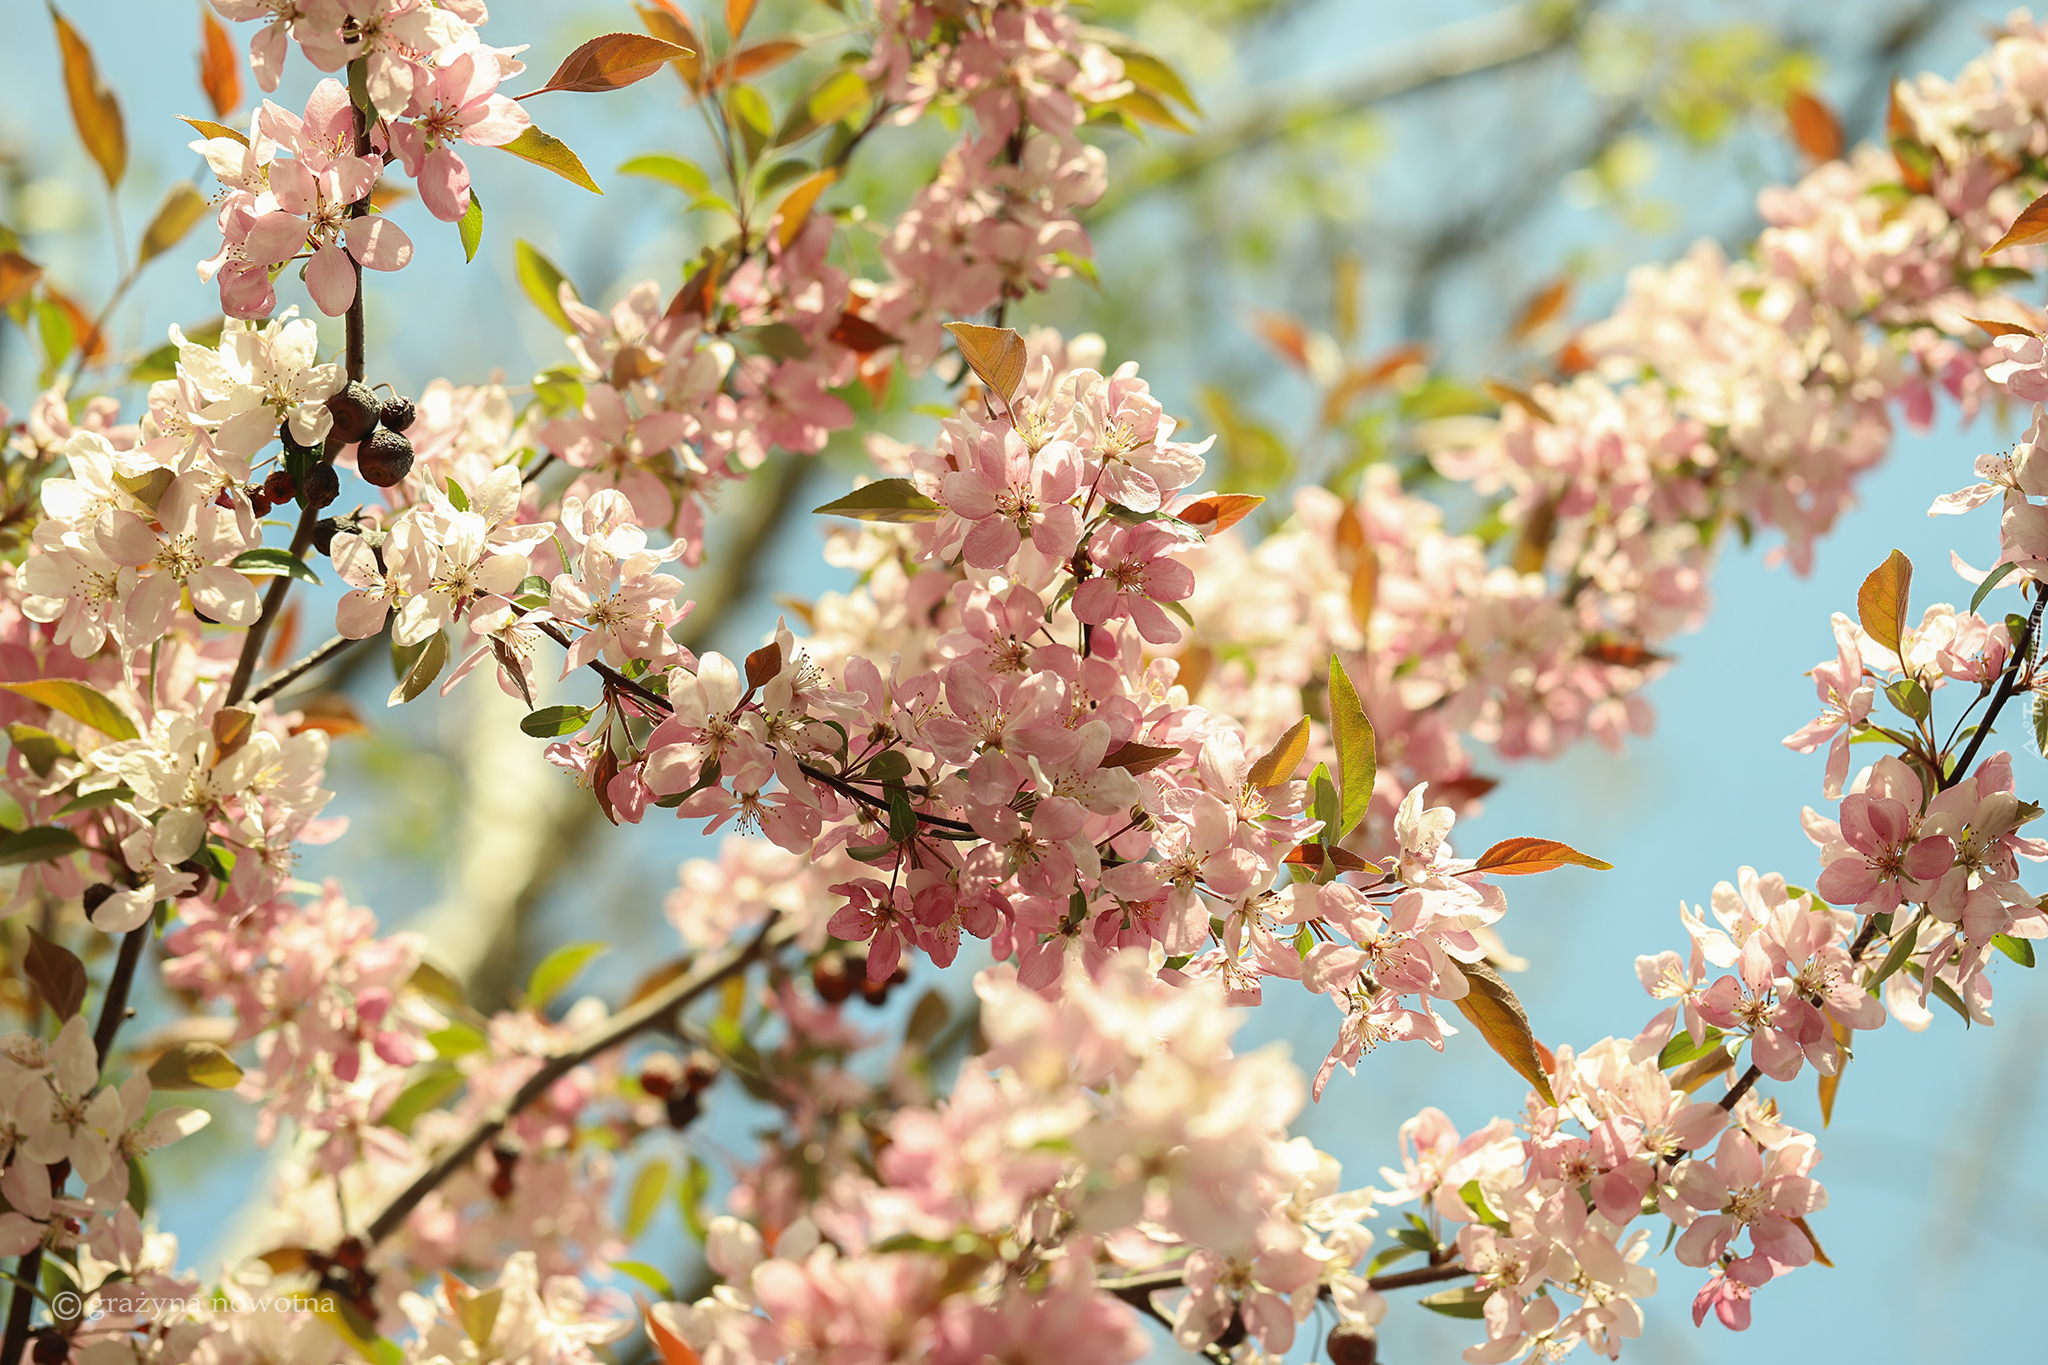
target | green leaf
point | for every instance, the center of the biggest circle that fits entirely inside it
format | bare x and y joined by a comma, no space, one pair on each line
902,815
670,169
458,1039
39,748
438,1081
2040,723
533,591
1400,1251
884,500
1466,1302
831,98
752,119
1902,948
1475,1200
2018,949
1415,1239
87,705
551,722
551,152
105,796
471,226
182,206
478,1314
890,763
648,1276
649,1185
1682,1049
1991,580
690,1192
426,666
557,970
1323,804
456,496
194,1066
268,560
542,281
1357,756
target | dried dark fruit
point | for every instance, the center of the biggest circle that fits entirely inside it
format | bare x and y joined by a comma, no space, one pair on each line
398,413
52,1347
281,487
683,1109
324,531
202,876
96,895
260,501
660,1075
293,443
224,499
323,486
385,459
876,992
700,1069
832,978
1353,1343
355,411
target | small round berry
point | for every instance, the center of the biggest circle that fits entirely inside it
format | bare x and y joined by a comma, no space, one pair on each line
385,459
355,411
398,413
1353,1343
323,486
831,978
660,1075
700,1069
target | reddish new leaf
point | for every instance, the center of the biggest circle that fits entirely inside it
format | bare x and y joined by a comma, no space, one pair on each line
763,664
1493,1009
1546,306
1135,758
2029,229
765,55
1285,334
737,12
795,209
1815,128
1313,855
1505,394
18,276
670,24
1881,601
2002,329
1520,857
94,109
220,72
1218,512
56,973
611,61
857,334
1622,654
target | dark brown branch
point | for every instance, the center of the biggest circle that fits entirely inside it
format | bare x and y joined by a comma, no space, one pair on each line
2022,660
114,1009
635,1019
292,672
1741,1088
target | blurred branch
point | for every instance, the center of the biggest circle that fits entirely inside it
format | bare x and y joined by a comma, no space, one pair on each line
1505,38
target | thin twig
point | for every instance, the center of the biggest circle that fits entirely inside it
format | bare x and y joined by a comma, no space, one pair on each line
114,1009
1741,1088
632,1020
292,672
2022,651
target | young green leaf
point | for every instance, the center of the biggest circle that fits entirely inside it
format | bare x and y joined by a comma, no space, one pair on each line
1991,580
2018,949
552,153
182,206
194,1066
1357,754
85,704
272,561
421,672
884,500
552,722
471,227
649,1185
670,169
557,970
543,282
1278,763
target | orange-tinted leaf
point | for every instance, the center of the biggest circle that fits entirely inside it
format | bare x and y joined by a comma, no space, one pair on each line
1546,306
765,55
18,276
1218,512
670,24
1573,359
1829,1085
1135,758
671,1347
1280,761
1914,160
286,1260
1314,855
1494,1010
384,196
1815,129
611,61
1532,547
2030,228
220,73
2001,329
1365,586
93,107
1390,364
332,712
1284,334
1881,601
1519,857
1622,653
1346,276
1467,788
88,337
797,204
737,12
1505,394
856,333
996,354
206,127
1820,1257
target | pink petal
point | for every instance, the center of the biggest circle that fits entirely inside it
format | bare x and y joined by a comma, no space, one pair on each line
379,243
331,280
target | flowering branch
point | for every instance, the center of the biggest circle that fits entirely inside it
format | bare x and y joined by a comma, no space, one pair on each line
634,1019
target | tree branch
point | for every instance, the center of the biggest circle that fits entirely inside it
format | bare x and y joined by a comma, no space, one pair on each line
2022,657
1507,37
621,1026
292,672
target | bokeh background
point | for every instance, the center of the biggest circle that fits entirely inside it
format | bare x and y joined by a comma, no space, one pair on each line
1388,175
